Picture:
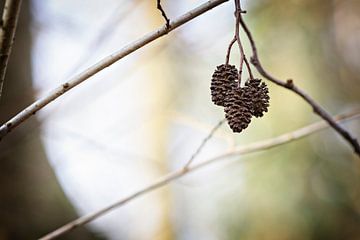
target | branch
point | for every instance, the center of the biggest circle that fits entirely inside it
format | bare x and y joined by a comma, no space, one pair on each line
289,84
254,147
7,35
227,59
167,20
238,12
102,64
204,141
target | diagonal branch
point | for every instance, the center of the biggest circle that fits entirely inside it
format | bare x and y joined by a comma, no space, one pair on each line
289,84
254,147
104,63
204,141
7,34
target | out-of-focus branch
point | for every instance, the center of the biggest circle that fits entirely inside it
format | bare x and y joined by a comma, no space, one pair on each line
289,84
7,34
167,20
104,63
254,147
203,142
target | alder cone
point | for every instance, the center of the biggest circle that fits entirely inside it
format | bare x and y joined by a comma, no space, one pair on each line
223,80
238,111
258,92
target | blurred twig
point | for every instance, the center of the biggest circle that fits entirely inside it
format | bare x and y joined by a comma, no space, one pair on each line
102,64
167,20
289,84
204,141
254,147
7,34
110,25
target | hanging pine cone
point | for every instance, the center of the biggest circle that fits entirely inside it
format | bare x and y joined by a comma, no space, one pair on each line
258,92
223,81
238,110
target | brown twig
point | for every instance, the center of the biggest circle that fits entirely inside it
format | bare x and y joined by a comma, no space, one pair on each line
289,84
167,20
7,34
227,59
102,64
204,141
238,12
254,147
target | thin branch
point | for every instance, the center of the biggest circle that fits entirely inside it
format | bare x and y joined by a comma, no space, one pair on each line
237,35
204,141
227,59
167,20
109,26
102,64
289,84
7,35
254,147
238,12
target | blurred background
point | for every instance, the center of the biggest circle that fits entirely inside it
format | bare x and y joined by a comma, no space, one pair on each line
145,116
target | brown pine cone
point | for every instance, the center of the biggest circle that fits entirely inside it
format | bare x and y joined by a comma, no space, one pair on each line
223,81
238,110
258,92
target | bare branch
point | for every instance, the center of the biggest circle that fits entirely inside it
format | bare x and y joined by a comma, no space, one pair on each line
254,147
7,34
167,20
289,84
106,62
204,141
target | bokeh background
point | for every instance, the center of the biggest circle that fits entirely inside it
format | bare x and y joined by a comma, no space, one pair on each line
145,116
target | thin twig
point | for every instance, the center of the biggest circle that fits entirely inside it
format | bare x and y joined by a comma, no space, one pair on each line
7,34
102,64
289,84
237,35
110,25
167,20
227,59
238,12
254,147
251,76
204,141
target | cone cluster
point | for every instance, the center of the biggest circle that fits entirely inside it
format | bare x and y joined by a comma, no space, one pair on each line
241,103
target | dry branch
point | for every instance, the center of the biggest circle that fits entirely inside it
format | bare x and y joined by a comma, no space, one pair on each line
289,84
254,147
7,34
102,64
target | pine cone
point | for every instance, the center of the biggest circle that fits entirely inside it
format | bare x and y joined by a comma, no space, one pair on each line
223,81
238,110
258,92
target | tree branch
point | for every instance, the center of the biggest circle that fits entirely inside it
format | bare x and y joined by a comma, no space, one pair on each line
106,62
204,141
7,35
254,147
289,84
238,12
